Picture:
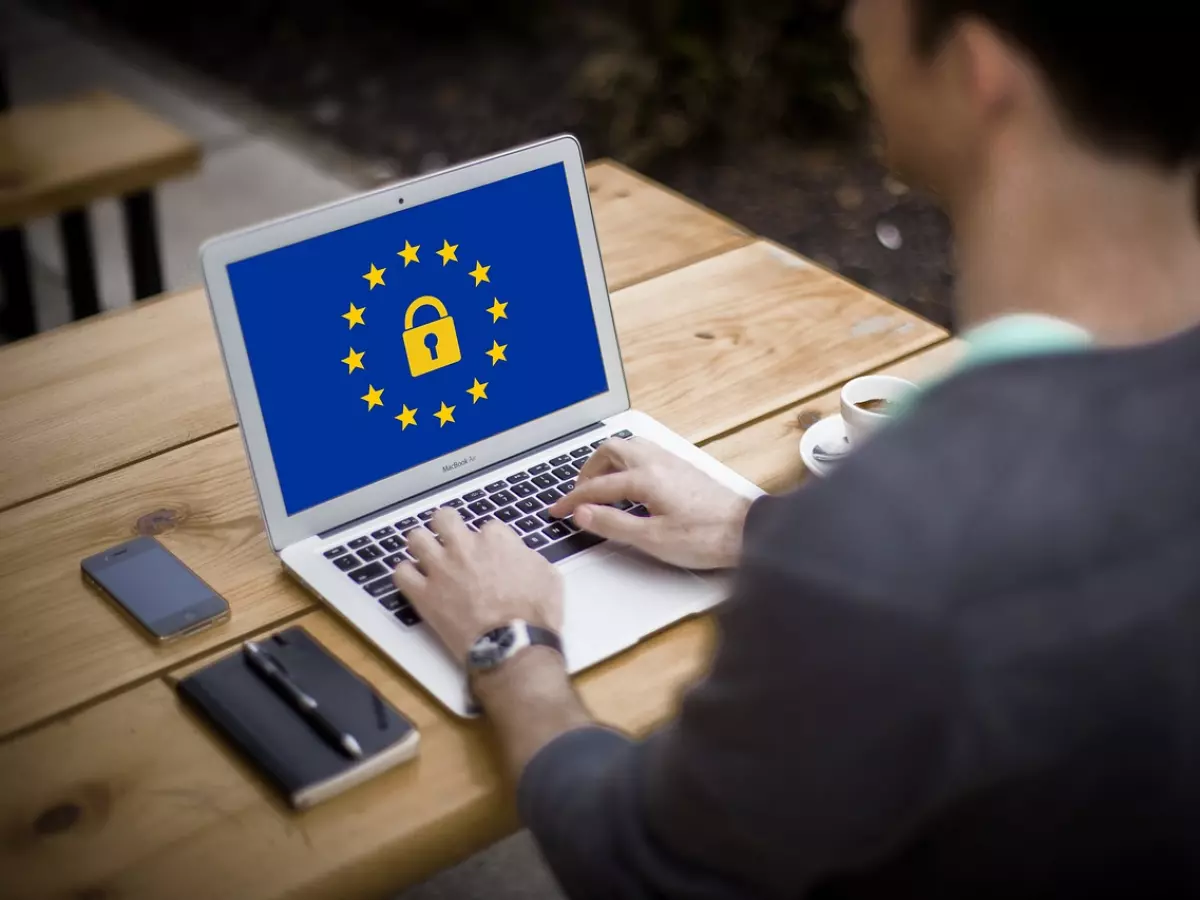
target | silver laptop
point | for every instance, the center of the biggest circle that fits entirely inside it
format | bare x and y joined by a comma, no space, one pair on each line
447,341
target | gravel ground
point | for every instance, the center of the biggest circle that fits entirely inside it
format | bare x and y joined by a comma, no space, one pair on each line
405,95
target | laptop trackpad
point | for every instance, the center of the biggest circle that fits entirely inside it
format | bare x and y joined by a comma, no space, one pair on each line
614,598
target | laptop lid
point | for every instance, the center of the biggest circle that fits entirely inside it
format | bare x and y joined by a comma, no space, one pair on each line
380,346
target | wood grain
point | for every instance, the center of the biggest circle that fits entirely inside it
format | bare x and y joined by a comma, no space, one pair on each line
135,798
58,156
712,346
61,643
90,397
768,452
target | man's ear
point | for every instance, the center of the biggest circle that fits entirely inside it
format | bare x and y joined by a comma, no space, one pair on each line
994,72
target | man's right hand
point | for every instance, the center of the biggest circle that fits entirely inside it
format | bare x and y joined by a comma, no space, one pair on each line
694,521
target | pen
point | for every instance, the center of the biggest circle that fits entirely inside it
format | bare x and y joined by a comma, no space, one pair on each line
270,672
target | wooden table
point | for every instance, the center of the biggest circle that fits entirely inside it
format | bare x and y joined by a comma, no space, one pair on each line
123,425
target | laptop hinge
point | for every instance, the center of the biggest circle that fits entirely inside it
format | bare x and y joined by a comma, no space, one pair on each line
533,451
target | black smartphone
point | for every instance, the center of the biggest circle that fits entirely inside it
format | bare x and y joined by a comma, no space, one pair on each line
155,589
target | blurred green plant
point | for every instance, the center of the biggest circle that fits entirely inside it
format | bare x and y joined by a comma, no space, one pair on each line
672,75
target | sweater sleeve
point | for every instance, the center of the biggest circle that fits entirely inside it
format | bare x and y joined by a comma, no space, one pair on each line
820,736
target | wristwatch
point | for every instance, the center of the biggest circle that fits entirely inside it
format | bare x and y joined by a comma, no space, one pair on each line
500,644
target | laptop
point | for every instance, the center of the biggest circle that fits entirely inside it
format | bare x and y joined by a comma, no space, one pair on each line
444,342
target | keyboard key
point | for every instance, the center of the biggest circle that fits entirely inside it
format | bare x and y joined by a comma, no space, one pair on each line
464,515
496,486
546,516
407,524
408,616
565,487
508,514
503,498
549,496
481,521
390,602
359,542
545,481
576,543
346,563
366,554
427,515
368,572
561,460
539,468
529,504
578,464
564,473
382,532
408,534
472,496
580,452
380,587
640,511
334,551
527,524
556,531
596,444
479,507
524,489
395,559
621,504
392,544
624,434
519,476
453,504
535,540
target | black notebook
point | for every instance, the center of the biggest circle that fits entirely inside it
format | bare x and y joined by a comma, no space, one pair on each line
281,743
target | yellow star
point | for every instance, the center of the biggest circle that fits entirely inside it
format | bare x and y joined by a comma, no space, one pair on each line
407,417
478,391
374,397
354,317
409,253
497,310
375,276
444,415
497,352
354,360
479,273
447,252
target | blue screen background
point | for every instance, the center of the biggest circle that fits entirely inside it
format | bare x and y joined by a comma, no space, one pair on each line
291,301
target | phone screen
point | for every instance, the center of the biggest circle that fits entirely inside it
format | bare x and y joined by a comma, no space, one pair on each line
154,586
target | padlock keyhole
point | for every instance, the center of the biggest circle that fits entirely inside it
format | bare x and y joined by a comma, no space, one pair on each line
431,343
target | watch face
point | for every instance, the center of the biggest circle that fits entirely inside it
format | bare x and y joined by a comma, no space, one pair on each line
492,648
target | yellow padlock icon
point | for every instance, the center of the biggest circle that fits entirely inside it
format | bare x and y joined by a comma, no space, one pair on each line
432,346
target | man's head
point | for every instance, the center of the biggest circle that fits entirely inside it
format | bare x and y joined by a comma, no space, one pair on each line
953,79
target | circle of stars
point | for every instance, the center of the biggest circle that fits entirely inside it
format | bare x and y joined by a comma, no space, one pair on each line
354,361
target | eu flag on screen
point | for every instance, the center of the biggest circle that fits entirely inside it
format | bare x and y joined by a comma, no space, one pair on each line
389,343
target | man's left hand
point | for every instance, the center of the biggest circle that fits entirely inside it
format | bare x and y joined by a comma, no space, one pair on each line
470,582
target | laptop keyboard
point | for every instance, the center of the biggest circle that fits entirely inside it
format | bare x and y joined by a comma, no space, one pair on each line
520,501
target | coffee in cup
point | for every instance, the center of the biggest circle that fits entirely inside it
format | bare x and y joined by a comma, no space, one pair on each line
868,402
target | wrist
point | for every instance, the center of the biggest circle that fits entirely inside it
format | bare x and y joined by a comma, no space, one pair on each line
729,551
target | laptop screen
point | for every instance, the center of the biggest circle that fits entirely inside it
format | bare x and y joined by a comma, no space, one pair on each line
384,345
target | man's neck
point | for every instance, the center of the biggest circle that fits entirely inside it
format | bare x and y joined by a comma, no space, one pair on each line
1112,247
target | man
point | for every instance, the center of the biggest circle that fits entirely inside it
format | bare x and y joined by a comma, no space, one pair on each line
968,664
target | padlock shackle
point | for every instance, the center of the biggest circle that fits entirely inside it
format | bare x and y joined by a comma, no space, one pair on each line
411,312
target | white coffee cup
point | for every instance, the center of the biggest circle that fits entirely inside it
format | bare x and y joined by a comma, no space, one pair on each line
861,423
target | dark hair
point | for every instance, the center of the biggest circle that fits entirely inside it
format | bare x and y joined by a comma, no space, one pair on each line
1120,72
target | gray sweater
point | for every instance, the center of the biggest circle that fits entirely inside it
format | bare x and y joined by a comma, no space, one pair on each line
967,665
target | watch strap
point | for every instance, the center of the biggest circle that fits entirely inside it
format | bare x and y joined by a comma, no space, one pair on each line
544,637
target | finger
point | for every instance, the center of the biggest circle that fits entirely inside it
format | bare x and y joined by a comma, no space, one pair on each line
604,489
450,528
617,455
410,581
615,525
424,547
498,531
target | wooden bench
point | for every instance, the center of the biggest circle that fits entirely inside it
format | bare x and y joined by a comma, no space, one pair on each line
56,159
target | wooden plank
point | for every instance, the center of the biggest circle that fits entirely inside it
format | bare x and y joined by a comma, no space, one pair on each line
768,452
646,229
134,797
712,346
57,156
90,397
98,394
53,616
61,643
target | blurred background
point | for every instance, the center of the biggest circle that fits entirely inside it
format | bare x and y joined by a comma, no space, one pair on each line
750,108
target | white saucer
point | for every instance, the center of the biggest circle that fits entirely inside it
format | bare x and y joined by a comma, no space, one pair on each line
829,434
